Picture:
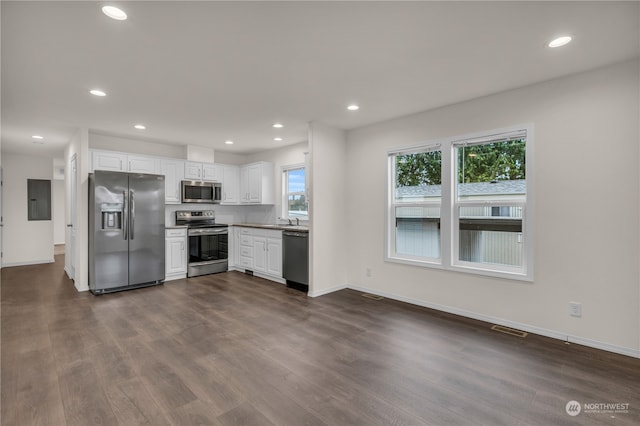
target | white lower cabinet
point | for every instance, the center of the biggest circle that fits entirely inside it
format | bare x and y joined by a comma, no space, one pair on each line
245,248
274,256
260,254
259,251
176,254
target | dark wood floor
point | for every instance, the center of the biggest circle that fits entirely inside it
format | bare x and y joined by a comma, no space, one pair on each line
230,349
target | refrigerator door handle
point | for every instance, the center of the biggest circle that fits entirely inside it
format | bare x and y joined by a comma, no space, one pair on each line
132,202
125,219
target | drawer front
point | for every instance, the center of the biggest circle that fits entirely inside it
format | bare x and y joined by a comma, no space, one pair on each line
268,233
175,232
246,252
245,240
245,231
246,262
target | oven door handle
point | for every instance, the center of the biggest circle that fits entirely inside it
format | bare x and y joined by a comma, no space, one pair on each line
198,232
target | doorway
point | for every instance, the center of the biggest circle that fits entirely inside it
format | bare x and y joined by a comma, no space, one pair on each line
70,249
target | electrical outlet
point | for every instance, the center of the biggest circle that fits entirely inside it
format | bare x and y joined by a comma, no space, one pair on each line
575,309
367,272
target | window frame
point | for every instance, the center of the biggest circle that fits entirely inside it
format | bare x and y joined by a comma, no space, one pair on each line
391,252
449,209
285,194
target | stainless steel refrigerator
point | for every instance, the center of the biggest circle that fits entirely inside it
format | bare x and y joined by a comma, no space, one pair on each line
126,231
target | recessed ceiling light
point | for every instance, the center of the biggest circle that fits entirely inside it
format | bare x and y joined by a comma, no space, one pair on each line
97,92
114,13
560,41
277,139
38,137
278,125
229,142
140,126
353,107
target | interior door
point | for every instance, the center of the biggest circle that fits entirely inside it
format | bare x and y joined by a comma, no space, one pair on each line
1,218
70,251
146,228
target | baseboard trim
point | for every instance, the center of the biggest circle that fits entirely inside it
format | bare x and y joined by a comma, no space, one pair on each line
269,277
313,293
66,271
27,263
635,353
80,288
174,277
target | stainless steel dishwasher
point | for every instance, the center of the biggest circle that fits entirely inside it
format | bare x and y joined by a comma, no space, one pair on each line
295,259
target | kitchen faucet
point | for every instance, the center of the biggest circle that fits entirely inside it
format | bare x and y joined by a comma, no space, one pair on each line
297,221
290,223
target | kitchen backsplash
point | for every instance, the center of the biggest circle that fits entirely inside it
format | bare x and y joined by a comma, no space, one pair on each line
226,214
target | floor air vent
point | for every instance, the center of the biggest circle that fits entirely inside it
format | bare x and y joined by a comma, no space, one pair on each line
507,330
372,296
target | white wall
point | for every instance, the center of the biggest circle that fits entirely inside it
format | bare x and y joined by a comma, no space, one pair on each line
230,158
587,209
24,242
328,245
135,146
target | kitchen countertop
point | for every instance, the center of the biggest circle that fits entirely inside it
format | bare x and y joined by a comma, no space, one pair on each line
277,226
175,227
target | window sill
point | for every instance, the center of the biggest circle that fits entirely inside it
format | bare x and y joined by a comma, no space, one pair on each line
435,264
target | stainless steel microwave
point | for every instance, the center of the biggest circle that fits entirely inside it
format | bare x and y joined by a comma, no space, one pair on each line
195,191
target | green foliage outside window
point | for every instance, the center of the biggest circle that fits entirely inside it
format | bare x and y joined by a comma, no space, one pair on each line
476,163
492,162
423,168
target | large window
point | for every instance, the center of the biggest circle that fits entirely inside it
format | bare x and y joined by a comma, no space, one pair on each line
416,202
464,204
295,204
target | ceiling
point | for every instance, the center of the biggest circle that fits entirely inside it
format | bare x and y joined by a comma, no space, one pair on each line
201,73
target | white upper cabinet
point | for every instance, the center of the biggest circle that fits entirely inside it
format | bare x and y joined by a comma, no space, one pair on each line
248,184
111,161
122,162
192,170
257,183
143,164
212,172
203,171
173,171
230,184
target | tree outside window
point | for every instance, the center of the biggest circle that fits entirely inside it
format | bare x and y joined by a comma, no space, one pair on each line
484,227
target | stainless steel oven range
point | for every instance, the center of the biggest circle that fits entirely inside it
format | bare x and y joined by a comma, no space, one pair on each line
208,242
